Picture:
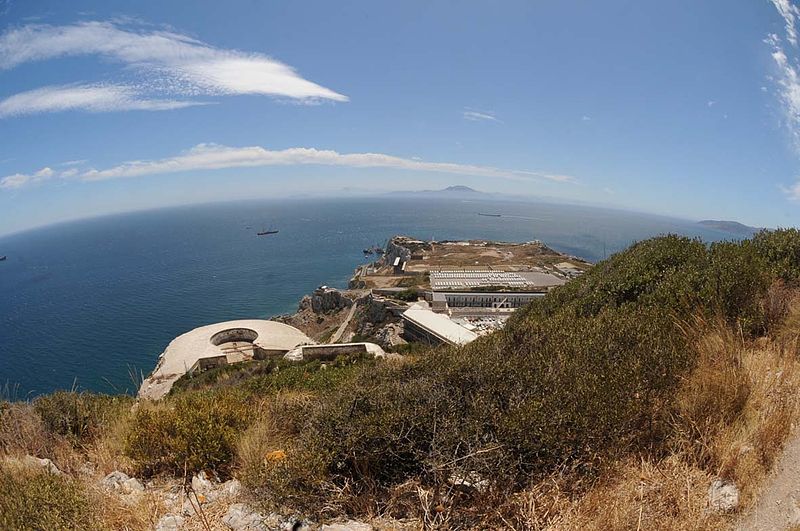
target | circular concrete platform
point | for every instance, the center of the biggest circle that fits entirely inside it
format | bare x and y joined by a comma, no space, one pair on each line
231,341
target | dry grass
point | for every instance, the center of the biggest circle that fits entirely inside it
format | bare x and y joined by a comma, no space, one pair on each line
731,419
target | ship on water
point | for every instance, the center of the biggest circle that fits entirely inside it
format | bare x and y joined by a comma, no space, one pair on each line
3,258
490,215
266,232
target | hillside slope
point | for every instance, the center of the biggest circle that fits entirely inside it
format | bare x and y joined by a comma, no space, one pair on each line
615,402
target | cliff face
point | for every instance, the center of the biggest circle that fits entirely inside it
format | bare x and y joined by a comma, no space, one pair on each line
325,300
395,249
404,247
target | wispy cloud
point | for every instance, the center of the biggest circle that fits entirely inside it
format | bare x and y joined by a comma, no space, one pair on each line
93,98
215,157
790,14
479,116
167,63
792,192
787,77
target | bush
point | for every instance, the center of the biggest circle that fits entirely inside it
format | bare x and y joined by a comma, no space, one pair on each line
22,430
509,407
188,433
583,374
80,416
781,251
39,500
408,295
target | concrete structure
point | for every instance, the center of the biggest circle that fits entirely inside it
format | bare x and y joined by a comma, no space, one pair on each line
331,351
569,269
399,266
439,302
220,344
470,279
479,299
423,325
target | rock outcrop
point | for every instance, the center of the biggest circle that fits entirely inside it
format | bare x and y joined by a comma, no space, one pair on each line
325,300
723,496
44,464
122,483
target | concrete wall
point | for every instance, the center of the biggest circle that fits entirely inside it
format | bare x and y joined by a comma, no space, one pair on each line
234,334
330,352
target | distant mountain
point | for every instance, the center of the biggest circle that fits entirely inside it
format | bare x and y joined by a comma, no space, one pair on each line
458,191
460,188
734,227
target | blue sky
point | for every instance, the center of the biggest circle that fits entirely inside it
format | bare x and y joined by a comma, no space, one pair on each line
684,108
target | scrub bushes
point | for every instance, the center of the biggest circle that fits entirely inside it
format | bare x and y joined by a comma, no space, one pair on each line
585,374
40,500
509,407
80,416
187,434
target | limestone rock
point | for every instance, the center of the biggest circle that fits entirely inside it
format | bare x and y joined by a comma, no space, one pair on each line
201,484
44,464
375,311
169,522
469,481
121,482
325,300
240,518
723,496
350,525
231,488
390,335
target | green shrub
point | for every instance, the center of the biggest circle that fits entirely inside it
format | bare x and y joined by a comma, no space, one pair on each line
80,416
190,432
39,500
408,295
577,376
781,250
509,407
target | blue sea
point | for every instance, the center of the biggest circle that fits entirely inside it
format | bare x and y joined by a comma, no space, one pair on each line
88,304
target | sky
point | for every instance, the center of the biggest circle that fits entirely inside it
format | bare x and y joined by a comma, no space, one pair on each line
686,108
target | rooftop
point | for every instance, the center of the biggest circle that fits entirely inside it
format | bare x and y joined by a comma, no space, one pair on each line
439,325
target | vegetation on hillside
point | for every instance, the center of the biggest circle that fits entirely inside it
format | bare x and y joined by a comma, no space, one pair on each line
672,361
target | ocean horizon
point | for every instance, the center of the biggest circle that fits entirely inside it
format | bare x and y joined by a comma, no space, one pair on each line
90,304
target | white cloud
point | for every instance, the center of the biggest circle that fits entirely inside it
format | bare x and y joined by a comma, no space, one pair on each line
93,98
167,62
479,116
787,79
788,83
790,14
792,192
214,157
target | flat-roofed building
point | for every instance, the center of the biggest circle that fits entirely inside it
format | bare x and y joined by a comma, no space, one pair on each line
482,278
425,326
478,299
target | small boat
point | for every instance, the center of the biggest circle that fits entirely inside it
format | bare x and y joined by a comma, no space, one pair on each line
3,258
490,215
266,232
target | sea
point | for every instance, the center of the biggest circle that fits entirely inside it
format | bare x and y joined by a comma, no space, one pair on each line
90,304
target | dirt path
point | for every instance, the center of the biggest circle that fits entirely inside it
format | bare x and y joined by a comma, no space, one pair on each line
778,506
338,334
